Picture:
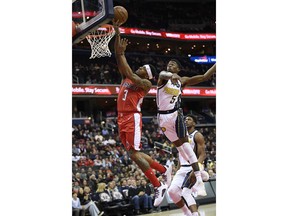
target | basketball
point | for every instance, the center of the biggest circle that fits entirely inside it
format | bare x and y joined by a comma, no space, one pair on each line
73,29
120,14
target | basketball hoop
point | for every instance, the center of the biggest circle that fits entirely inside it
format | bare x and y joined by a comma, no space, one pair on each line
99,39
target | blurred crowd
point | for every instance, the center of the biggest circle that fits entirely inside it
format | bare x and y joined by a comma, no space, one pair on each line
100,164
193,17
105,71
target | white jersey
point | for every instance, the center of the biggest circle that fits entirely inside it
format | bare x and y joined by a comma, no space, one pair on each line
192,143
168,96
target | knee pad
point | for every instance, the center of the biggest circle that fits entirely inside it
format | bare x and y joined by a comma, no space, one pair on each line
175,193
187,196
204,175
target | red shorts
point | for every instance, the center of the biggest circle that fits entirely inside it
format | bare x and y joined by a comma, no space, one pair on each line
130,130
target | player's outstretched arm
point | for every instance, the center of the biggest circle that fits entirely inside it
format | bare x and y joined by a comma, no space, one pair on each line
119,49
165,75
199,78
123,66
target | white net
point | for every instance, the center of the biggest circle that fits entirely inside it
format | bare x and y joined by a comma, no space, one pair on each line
99,40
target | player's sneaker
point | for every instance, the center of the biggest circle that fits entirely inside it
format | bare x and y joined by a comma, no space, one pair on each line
167,175
159,193
199,189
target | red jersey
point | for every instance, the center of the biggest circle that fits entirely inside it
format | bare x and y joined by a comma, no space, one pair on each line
130,97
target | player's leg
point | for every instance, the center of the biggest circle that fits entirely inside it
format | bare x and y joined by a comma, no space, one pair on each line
182,143
133,145
166,171
186,147
198,188
189,181
175,190
174,128
159,187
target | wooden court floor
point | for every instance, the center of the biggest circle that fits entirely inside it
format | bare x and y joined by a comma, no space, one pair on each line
204,210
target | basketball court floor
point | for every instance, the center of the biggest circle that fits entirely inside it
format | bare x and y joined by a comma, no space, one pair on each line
204,210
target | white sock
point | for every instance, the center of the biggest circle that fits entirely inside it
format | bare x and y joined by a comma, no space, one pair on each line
195,214
186,211
198,176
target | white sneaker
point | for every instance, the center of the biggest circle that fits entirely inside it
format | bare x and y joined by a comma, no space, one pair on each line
199,189
167,175
159,194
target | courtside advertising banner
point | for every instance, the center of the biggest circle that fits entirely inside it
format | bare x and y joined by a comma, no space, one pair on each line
203,59
113,90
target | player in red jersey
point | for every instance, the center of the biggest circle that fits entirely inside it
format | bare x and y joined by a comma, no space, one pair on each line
134,87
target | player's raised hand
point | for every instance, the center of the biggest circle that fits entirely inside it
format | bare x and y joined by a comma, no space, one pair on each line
121,46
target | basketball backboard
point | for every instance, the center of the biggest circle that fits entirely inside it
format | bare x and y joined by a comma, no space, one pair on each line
89,15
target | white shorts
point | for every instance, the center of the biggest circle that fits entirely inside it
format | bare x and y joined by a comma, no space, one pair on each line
172,125
179,176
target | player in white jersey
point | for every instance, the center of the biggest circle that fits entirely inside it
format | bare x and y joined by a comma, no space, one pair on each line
170,115
184,176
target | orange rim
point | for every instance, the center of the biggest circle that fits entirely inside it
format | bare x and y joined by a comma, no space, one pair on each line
106,26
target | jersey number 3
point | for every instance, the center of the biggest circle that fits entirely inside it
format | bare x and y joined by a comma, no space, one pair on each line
125,95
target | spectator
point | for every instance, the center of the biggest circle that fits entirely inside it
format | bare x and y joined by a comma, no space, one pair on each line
98,137
92,182
98,161
211,173
75,150
170,161
83,174
78,178
102,195
138,198
76,205
126,160
149,190
123,188
88,204
75,158
76,186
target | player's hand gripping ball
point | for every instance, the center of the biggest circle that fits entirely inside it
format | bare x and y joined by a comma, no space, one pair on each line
120,15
